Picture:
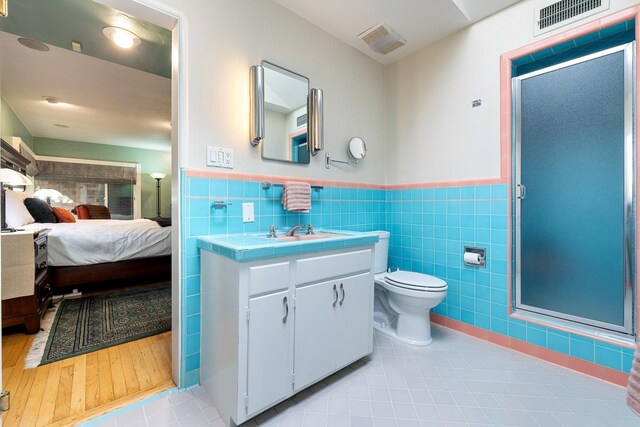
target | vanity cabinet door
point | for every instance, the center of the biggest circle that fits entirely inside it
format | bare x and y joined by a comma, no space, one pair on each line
270,350
315,317
354,333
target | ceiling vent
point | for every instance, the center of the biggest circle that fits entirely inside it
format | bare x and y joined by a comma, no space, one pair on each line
33,44
552,15
382,39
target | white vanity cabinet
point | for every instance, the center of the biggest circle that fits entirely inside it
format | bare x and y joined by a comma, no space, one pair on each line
331,331
273,327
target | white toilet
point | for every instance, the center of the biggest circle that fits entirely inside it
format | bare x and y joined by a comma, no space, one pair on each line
403,299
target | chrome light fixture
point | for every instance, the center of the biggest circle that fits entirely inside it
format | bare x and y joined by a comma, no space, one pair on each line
315,122
257,105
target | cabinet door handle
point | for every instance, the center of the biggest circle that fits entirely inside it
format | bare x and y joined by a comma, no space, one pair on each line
286,310
343,293
335,292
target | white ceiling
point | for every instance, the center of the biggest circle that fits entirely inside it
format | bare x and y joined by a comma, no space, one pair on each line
419,22
105,103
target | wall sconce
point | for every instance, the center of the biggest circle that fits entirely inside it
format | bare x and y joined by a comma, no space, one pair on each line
316,121
257,104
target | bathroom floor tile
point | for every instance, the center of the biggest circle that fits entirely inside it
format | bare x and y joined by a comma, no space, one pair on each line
456,381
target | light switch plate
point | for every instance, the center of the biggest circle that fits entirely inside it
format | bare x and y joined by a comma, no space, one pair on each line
247,212
219,157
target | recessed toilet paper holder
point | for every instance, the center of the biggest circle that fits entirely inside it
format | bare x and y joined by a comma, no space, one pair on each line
475,257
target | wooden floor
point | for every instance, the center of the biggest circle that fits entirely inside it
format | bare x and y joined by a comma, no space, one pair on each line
83,387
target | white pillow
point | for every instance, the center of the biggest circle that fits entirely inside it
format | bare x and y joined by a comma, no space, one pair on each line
17,214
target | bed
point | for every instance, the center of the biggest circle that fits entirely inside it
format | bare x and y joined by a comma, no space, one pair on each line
106,253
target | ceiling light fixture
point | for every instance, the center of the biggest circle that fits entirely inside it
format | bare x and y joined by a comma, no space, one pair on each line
33,44
52,99
121,37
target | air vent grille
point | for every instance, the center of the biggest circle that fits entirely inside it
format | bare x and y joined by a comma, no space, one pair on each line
557,14
301,120
382,39
374,35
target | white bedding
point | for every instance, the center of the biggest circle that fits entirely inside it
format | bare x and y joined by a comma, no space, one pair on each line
94,241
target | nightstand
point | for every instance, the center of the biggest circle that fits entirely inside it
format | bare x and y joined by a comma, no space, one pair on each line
26,290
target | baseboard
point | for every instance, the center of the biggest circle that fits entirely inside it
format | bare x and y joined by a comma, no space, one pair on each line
589,368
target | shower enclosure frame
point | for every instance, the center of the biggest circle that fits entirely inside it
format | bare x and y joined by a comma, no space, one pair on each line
629,178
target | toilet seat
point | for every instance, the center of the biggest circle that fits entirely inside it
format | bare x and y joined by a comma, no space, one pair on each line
415,281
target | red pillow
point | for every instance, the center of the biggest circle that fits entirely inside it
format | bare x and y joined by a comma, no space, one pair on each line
63,215
82,212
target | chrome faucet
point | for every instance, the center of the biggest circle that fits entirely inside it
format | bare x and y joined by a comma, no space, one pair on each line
310,229
293,229
272,231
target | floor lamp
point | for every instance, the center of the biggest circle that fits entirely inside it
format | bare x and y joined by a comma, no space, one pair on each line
10,177
158,177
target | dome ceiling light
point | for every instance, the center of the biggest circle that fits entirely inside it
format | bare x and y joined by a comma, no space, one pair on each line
121,37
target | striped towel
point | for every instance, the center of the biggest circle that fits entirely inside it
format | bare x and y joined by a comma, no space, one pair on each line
633,390
296,196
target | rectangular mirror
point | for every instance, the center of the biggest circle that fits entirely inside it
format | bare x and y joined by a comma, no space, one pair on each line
285,115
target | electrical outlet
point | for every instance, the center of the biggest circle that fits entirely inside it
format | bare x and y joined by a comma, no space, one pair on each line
220,157
247,212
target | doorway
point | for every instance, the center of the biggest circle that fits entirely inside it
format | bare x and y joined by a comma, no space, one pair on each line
155,351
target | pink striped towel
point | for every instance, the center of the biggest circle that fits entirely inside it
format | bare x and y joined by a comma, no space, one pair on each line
633,391
296,196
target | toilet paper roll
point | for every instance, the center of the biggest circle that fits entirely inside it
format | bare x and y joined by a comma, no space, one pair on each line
472,258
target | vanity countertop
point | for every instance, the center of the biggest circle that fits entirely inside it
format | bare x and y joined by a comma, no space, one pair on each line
253,246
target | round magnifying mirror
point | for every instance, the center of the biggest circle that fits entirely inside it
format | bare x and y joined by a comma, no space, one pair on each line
357,148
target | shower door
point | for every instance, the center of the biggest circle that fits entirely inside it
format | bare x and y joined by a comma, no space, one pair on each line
574,190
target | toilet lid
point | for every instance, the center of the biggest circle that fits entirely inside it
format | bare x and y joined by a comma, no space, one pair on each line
415,281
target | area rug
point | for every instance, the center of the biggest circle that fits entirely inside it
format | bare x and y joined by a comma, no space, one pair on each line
92,323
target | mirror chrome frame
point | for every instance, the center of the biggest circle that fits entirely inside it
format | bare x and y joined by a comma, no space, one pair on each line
257,105
316,122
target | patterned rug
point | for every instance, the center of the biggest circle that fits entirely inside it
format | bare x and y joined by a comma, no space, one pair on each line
92,323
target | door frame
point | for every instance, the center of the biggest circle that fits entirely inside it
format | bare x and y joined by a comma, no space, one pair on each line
168,17
629,190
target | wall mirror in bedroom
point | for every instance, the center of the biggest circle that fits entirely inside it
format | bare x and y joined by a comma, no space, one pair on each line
92,241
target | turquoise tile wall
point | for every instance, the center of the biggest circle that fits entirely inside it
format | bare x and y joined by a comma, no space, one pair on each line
429,229
343,208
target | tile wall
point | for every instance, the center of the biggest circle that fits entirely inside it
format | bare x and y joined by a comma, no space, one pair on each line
345,208
429,229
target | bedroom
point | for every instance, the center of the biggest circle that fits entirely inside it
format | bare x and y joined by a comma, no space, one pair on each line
97,142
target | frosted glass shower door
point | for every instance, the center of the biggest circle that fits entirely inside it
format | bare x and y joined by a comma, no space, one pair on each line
574,190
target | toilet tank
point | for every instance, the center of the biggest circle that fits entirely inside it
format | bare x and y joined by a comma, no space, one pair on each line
382,252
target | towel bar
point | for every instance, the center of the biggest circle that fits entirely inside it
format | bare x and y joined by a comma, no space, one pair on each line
267,185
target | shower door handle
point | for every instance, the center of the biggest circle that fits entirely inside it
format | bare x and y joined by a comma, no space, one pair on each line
522,192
